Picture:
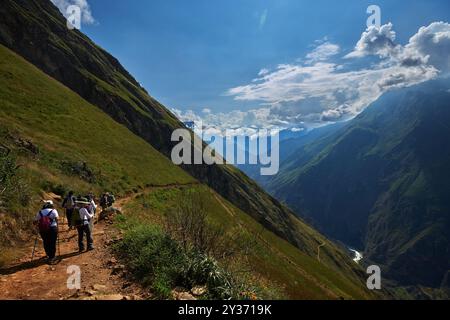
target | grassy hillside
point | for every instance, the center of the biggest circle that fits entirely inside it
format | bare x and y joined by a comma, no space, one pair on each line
63,142
295,274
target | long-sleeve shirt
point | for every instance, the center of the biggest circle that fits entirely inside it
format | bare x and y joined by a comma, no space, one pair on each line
92,207
85,215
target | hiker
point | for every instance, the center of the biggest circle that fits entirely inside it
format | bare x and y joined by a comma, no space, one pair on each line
47,222
69,205
84,218
93,210
104,201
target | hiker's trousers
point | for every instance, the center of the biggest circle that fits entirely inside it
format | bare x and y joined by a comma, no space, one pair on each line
69,214
49,238
82,230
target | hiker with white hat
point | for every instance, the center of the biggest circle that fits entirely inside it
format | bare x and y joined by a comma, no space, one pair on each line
47,222
84,218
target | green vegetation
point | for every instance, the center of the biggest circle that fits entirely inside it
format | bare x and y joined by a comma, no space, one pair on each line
273,261
15,199
159,261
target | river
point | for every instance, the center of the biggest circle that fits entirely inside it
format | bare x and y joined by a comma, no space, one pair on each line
357,255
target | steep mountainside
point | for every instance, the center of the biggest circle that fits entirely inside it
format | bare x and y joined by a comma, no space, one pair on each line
63,142
381,184
37,31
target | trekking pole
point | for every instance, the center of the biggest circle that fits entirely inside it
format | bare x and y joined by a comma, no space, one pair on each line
34,248
57,239
64,218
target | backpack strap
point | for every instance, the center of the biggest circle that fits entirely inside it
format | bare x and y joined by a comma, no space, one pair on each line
48,214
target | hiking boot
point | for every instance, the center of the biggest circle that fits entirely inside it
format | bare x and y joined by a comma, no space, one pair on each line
90,248
51,261
80,250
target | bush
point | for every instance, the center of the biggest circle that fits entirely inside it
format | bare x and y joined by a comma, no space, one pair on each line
15,198
14,191
153,257
190,226
160,262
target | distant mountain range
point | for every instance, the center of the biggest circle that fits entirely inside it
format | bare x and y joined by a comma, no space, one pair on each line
381,183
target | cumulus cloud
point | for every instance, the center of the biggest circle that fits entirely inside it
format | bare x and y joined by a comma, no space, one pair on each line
319,90
86,13
431,44
375,41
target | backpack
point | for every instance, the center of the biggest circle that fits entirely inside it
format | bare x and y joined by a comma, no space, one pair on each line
111,199
69,202
76,219
104,201
45,222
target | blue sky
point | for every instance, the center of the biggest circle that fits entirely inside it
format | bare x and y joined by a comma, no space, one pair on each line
204,55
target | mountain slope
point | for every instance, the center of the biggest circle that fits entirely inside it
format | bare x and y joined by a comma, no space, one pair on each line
37,31
381,183
65,130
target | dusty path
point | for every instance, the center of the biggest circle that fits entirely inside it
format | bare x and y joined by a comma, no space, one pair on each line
99,270
102,277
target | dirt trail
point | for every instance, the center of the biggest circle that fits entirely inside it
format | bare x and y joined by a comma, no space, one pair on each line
102,277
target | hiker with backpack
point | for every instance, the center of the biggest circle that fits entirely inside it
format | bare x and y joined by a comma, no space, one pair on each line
104,201
47,222
83,223
69,205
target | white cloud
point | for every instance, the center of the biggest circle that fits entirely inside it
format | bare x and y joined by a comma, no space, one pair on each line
86,13
431,44
322,52
319,90
375,41
263,72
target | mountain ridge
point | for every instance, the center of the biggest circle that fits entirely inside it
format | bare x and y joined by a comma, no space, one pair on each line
378,184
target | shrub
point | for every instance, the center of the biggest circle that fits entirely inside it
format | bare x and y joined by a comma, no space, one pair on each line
190,225
14,191
153,257
15,198
160,262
